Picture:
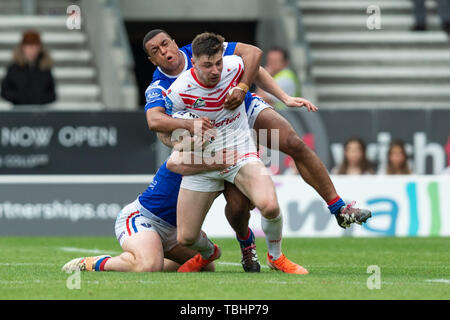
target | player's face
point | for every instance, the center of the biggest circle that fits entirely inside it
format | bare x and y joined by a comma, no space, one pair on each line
209,68
163,52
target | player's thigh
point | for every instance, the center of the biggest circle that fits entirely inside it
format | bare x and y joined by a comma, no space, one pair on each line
179,255
236,200
192,208
147,249
275,125
255,182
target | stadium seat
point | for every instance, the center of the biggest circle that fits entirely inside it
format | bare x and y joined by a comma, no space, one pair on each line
354,66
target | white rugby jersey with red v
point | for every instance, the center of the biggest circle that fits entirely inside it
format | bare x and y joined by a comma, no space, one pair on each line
188,93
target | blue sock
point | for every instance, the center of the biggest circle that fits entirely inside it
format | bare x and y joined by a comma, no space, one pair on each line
244,243
100,264
335,205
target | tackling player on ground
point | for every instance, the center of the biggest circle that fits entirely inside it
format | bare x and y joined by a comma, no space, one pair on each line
146,228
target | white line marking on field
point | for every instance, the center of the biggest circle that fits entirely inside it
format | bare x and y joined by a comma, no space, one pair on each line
225,263
84,250
438,280
24,264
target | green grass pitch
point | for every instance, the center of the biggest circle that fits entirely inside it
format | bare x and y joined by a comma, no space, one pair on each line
410,268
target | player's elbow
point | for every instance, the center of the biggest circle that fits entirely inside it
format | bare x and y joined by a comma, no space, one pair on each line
174,164
154,120
153,124
257,52
171,165
251,50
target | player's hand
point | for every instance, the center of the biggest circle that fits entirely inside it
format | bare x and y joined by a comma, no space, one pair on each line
226,159
297,102
191,143
229,157
199,125
234,98
204,128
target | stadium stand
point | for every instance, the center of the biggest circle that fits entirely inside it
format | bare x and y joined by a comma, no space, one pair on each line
355,65
78,62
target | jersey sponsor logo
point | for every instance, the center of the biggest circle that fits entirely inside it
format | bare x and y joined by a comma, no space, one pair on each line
153,184
154,96
199,103
146,225
226,121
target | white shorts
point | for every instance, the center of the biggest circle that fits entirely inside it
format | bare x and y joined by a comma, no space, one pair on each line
256,106
131,220
213,181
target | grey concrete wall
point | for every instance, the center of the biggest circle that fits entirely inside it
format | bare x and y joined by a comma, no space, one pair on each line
191,9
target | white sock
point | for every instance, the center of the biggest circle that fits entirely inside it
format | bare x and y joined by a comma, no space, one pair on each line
203,245
273,229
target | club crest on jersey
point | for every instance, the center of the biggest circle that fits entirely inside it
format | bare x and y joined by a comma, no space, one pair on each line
199,103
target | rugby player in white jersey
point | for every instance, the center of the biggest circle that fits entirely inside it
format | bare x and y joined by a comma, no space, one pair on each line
202,90
171,60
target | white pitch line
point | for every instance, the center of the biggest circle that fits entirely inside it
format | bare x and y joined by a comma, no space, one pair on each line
439,280
235,264
84,250
24,264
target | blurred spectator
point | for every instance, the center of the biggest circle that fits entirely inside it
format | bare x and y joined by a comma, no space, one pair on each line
277,64
355,161
420,15
397,159
29,79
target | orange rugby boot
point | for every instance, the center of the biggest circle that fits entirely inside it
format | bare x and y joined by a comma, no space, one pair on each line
285,265
197,263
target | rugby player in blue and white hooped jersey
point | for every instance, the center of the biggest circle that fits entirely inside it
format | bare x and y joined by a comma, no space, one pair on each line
146,228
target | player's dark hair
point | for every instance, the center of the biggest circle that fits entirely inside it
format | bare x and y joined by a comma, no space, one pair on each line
208,44
283,51
149,36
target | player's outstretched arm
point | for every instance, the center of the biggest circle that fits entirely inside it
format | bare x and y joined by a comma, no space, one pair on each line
265,81
251,56
187,163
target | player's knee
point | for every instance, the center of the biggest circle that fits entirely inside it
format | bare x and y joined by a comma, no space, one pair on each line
186,240
236,214
294,146
269,208
148,266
